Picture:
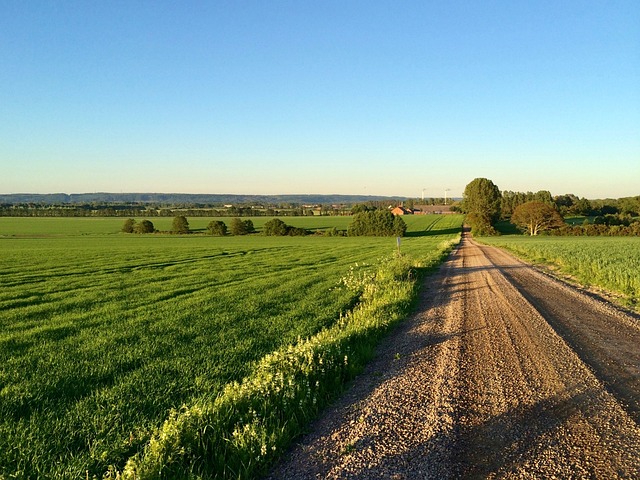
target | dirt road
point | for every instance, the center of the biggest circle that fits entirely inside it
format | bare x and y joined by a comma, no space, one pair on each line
503,373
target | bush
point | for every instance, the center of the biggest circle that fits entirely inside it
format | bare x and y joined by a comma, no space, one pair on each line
145,226
217,227
276,227
128,226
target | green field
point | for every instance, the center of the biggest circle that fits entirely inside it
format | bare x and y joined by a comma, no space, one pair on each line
609,262
102,333
61,226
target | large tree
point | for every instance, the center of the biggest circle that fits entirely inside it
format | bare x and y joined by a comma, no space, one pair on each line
378,223
535,217
180,225
481,203
217,227
241,227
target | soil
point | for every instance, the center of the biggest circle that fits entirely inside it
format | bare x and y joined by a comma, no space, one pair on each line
503,372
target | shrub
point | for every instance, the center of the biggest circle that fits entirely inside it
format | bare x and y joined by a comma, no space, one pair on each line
128,226
276,227
217,227
145,226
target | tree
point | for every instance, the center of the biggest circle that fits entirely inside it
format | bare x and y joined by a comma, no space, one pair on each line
240,227
535,217
481,203
145,226
217,227
128,226
378,223
274,227
180,225
248,226
581,207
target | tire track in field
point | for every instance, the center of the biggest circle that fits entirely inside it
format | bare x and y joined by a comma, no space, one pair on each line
479,384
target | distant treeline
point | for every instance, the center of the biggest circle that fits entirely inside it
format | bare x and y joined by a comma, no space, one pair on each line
632,229
106,209
606,217
30,210
174,199
571,205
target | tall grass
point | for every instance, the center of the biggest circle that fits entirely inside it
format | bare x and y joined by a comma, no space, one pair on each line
609,262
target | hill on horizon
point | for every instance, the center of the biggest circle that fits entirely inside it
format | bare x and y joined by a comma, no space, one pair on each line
187,198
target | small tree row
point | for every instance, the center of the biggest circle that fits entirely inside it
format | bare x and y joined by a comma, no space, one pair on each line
131,226
276,227
377,223
236,227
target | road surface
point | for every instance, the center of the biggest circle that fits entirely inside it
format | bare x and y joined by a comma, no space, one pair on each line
503,372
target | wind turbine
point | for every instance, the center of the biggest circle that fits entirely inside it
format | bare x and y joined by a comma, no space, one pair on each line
423,194
445,194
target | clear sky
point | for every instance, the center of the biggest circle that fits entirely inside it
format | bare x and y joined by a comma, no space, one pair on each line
354,97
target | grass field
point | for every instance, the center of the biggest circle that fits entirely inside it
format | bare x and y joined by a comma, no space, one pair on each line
102,333
609,262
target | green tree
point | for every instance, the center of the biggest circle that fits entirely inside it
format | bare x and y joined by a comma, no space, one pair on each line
361,207
275,227
241,227
248,226
129,225
481,203
581,207
217,227
378,223
180,225
145,226
535,217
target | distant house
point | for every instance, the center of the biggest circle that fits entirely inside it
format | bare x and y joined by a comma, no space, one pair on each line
401,211
430,209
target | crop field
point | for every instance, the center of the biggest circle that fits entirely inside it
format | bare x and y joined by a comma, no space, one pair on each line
103,333
609,262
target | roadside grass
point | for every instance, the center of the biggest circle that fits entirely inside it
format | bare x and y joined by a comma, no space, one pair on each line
103,335
612,263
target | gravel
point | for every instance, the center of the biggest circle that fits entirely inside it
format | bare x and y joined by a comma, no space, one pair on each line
503,372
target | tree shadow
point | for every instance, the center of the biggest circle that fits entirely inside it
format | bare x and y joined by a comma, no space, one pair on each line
432,233
500,446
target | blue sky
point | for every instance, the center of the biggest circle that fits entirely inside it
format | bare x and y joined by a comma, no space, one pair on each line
353,97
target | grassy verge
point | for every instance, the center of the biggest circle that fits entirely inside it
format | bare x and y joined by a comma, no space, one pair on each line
611,263
240,432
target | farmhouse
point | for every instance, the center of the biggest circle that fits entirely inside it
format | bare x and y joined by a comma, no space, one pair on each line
433,209
401,211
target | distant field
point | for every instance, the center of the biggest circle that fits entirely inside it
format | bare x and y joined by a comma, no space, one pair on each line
57,226
609,262
101,333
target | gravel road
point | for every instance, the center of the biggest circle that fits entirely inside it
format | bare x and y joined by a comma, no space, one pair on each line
503,372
